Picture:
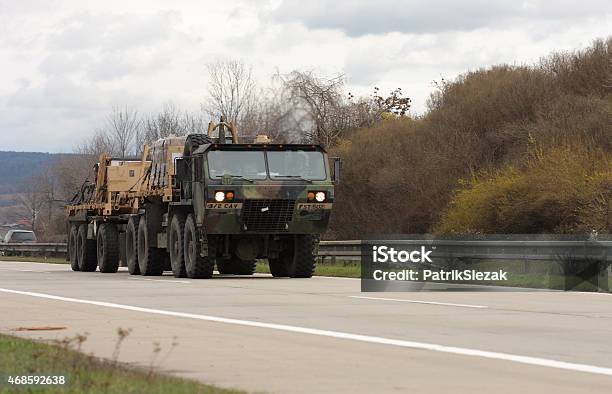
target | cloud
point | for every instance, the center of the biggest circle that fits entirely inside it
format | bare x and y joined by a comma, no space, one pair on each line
112,31
358,18
67,62
57,114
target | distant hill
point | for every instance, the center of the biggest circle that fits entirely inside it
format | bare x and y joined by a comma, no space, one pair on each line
15,167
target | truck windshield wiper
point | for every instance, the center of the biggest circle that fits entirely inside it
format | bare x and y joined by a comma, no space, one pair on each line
296,177
236,177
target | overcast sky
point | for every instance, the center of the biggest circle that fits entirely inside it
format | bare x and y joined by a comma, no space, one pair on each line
65,63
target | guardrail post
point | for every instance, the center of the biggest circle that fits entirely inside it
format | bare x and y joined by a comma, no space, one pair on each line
603,281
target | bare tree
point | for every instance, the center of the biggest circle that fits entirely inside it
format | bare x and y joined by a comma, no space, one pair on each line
71,171
231,90
193,123
170,121
162,124
100,142
322,100
330,113
123,126
273,114
32,200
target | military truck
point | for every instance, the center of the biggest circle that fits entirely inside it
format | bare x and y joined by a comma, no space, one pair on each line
194,202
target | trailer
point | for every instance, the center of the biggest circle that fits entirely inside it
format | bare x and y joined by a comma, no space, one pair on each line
196,202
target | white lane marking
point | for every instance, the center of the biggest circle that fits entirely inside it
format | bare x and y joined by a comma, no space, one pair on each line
335,277
542,362
161,280
421,302
40,272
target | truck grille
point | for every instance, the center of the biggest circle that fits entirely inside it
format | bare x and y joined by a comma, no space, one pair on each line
267,215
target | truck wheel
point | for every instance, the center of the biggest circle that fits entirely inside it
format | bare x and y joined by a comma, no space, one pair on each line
150,259
278,267
244,267
167,263
131,246
108,248
196,266
72,247
86,251
225,266
175,244
302,265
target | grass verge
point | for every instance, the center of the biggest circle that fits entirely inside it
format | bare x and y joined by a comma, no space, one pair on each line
83,373
346,269
36,259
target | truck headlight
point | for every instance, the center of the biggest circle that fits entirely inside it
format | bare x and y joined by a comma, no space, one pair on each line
219,196
320,196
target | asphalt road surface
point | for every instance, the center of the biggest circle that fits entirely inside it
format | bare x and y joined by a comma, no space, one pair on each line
321,334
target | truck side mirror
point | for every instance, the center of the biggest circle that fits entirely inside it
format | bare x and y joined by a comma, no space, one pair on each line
336,170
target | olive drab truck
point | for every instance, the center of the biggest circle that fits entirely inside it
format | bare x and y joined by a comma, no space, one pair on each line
196,202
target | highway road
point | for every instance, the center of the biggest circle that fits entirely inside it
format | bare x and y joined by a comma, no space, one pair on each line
321,334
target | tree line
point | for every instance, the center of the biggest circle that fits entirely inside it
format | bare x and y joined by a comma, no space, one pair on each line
300,107
507,149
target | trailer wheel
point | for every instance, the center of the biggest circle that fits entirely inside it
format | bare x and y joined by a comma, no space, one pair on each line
72,247
131,246
150,259
175,244
303,263
196,266
86,251
108,248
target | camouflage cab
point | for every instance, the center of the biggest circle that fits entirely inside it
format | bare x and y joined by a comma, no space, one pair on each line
259,201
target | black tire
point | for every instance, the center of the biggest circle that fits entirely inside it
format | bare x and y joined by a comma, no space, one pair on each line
236,266
278,267
193,142
196,266
131,246
225,266
244,267
304,256
167,263
175,245
86,251
108,248
72,247
151,260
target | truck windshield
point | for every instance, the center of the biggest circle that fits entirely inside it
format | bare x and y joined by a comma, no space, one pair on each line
308,165
248,165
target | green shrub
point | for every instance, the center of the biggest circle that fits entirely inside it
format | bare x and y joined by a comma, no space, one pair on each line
534,141
567,190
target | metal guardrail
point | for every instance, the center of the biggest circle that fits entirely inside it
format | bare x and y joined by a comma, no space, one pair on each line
503,250
517,250
38,248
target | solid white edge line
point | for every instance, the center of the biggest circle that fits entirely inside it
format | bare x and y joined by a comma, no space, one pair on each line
543,362
421,302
